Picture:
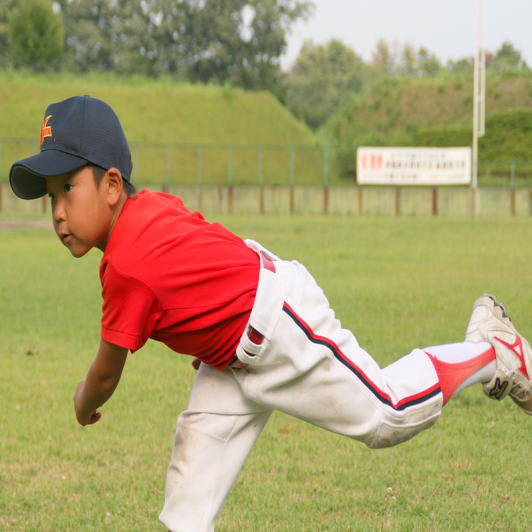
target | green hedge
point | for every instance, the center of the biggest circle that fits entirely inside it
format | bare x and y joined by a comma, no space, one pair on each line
507,143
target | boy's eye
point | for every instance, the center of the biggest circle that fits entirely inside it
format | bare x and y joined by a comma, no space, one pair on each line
68,187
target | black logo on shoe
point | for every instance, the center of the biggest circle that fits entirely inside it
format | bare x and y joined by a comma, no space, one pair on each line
503,310
498,389
495,304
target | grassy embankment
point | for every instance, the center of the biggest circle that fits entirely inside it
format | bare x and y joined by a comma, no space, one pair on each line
179,133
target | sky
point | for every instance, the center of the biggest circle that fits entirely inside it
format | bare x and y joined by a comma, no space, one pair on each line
445,27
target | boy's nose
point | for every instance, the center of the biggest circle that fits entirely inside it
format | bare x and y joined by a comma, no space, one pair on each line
58,211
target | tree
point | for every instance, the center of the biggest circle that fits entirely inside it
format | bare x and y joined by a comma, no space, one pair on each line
393,59
241,52
234,41
322,78
408,61
463,66
381,58
427,63
508,58
35,35
404,60
5,8
106,35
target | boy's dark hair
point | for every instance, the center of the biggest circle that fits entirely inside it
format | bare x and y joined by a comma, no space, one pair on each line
98,173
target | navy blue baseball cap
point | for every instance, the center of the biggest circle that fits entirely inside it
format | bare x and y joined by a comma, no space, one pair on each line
75,132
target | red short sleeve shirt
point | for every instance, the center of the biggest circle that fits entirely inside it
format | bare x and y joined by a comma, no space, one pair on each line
169,275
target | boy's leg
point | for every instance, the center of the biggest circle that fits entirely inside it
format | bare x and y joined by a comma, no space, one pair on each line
315,370
462,364
213,438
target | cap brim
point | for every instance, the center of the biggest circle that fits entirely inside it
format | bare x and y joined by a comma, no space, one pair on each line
28,176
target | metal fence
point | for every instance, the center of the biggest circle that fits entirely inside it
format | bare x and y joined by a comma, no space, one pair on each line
168,164
336,200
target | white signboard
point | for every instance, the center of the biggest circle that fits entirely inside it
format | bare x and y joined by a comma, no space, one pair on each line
414,166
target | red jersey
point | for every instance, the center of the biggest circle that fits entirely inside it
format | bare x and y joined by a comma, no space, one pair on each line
169,275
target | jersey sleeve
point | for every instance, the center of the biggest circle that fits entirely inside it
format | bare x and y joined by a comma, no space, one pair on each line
130,309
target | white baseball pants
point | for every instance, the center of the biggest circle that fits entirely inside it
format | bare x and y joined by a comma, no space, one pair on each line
306,365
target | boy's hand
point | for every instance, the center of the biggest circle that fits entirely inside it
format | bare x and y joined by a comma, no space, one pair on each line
101,381
84,417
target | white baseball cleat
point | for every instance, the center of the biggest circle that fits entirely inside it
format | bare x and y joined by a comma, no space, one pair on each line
490,323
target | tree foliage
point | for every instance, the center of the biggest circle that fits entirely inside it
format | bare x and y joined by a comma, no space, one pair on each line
323,76
234,41
35,35
382,60
6,7
508,58
403,60
105,35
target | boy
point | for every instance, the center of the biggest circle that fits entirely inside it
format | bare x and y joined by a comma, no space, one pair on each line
262,331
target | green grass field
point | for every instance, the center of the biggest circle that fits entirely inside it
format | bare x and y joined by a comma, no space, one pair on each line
398,283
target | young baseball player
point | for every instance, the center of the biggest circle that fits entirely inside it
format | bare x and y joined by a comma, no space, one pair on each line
261,329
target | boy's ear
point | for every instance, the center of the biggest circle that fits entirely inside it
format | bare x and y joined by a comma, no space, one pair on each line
114,185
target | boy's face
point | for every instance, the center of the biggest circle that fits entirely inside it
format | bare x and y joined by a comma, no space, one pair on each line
81,211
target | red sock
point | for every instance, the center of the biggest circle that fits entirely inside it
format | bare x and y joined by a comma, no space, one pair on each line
452,374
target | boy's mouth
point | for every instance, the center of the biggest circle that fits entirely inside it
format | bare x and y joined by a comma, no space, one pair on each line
65,237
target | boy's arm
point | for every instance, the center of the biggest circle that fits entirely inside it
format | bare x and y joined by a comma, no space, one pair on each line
100,383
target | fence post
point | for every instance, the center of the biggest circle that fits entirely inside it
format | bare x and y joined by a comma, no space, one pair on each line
230,179
230,199
229,165
260,165
291,199
1,166
397,201
292,166
435,201
261,200
199,164
166,169
199,174
260,179
326,179
513,206
292,179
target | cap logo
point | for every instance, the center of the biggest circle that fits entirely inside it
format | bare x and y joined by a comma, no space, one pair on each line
46,130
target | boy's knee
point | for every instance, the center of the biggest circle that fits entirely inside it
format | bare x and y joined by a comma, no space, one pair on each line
389,433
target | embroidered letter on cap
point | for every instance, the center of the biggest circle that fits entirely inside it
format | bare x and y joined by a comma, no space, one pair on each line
46,130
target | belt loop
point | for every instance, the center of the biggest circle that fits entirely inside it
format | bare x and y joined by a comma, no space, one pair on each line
255,336
267,261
